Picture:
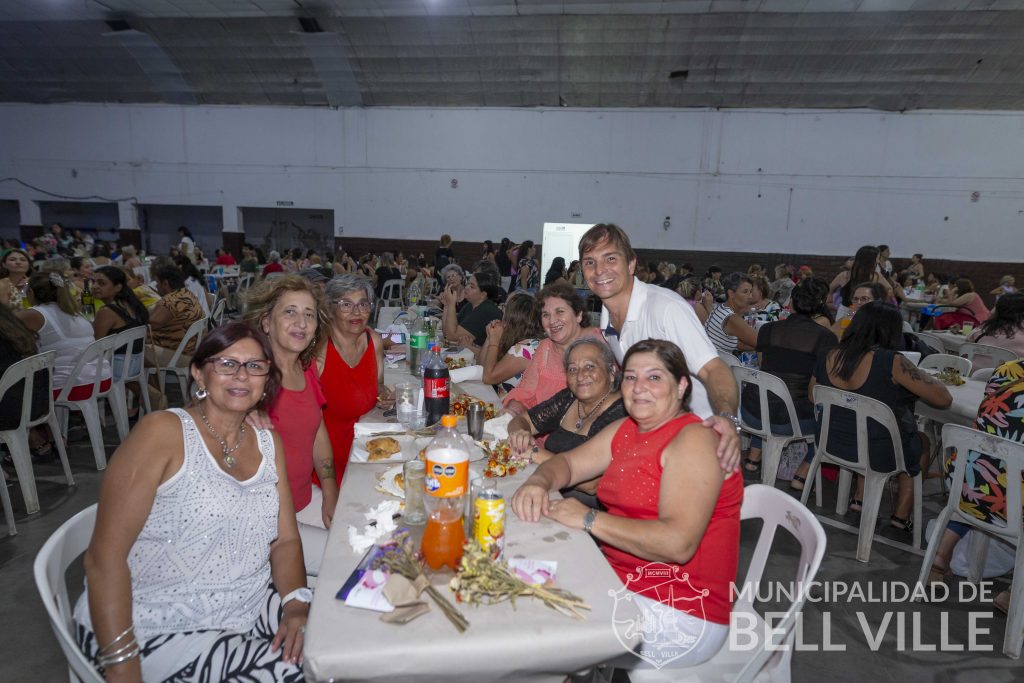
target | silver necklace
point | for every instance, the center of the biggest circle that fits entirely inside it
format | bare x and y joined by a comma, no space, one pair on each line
579,409
229,460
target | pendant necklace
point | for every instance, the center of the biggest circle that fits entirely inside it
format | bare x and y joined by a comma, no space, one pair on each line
579,409
229,460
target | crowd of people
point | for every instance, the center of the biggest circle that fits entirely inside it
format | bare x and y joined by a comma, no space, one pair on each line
619,413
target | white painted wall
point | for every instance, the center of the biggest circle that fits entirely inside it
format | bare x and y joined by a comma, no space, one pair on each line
792,181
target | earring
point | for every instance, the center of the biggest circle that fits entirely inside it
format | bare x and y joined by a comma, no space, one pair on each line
201,394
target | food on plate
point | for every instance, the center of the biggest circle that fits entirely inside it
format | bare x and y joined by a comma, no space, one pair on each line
950,376
455,362
400,481
501,462
460,404
382,448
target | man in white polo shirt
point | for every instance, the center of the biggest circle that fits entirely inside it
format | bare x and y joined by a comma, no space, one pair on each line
634,310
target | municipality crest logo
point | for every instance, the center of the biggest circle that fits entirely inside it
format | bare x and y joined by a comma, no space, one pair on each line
648,616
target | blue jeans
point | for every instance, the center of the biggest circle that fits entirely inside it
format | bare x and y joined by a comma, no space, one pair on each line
807,426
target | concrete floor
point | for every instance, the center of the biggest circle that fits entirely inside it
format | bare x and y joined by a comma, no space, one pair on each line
28,651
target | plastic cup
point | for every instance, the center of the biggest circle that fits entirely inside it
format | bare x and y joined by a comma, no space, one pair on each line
414,472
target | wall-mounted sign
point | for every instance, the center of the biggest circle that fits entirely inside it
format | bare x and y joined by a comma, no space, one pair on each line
285,203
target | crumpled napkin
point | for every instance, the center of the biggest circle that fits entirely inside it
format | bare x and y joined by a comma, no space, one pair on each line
380,526
404,595
498,427
471,373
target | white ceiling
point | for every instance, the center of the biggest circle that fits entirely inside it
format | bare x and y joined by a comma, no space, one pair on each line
887,54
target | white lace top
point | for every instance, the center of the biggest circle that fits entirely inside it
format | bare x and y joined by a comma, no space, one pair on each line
202,560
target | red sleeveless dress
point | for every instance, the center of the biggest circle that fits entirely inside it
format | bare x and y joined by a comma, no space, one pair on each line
630,488
351,392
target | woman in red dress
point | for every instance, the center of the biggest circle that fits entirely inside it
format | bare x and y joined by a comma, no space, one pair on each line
351,363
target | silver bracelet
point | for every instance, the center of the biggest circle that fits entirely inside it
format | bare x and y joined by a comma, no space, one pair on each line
106,662
120,651
119,637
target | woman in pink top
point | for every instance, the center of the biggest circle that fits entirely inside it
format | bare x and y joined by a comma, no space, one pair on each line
1005,327
287,309
564,321
962,294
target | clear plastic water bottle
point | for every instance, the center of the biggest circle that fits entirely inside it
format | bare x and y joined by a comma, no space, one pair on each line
418,340
414,294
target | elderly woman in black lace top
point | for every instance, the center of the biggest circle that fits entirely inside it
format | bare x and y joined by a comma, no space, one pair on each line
589,403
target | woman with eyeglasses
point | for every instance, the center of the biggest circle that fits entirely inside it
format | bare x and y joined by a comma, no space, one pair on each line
351,363
194,570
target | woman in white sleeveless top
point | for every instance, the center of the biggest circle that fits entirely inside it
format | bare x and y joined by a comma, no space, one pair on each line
54,316
195,539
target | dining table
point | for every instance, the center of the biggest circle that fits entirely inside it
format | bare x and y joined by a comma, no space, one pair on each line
524,641
951,340
964,409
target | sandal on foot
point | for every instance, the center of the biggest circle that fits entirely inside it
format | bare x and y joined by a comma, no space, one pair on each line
856,505
901,524
751,465
797,479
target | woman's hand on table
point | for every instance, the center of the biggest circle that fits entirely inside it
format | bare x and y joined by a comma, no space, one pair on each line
568,512
520,441
291,634
258,419
530,502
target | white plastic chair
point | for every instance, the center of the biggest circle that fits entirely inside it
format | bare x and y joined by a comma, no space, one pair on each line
730,360
864,408
101,354
941,361
5,501
180,374
62,548
931,340
963,440
773,444
17,439
390,295
127,341
989,356
217,314
767,658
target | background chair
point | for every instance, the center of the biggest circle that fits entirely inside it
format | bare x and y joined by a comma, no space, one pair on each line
864,408
986,355
941,361
773,443
131,343
767,658
5,500
17,439
964,440
390,296
180,374
100,353
217,313
931,340
62,548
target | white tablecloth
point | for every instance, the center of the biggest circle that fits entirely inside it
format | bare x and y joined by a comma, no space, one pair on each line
966,399
952,342
528,643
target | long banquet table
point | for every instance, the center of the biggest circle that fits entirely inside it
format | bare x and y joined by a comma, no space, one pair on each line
527,643
966,399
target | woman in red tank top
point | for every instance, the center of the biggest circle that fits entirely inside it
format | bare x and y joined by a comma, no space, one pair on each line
672,526
351,363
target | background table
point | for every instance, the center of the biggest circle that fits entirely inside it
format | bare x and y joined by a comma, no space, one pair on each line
951,341
530,642
966,399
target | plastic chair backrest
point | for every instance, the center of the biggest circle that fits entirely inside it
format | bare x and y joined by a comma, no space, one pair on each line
100,352
779,510
196,330
730,360
766,384
62,548
864,408
126,342
932,341
217,314
941,361
244,282
391,293
997,355
25,370
963,440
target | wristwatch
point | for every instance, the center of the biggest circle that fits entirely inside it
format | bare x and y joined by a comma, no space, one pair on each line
588,520
732,418
301,594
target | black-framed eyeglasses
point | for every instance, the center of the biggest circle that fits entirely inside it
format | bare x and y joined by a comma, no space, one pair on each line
230,366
